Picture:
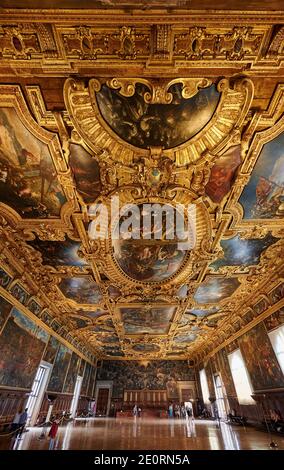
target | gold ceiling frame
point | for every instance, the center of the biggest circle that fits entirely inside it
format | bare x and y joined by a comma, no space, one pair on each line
220,227
166,42
148,306
53,228
104,255
88,123
275,225
232,109
73,303
158,90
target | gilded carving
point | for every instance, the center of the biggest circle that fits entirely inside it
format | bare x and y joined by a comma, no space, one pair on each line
111,310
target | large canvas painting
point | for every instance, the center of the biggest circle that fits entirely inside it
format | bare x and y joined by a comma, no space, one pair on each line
153,252
154,375
82,290
27,324
82,368
106,324
20,293
210,381
223,174
21,354
139,320
86,173
86,379
113,350
242,252
146,261
224,368
51,350
4,278
185,338
66,253
146,347
34,307
108,338
91,387
277,293
91,314
275,320
263,197
72,374
79,322
150,125
59,370
28,180
261,362
200,313
213,289
260,306
5,309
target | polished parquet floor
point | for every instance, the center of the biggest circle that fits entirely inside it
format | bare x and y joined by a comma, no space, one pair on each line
149,434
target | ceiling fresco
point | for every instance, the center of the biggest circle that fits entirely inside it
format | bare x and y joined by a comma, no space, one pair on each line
144,125
28,176
182,116
82,290
263,197
55,254
147,320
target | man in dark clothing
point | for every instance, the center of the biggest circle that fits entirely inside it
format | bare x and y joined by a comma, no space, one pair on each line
22,422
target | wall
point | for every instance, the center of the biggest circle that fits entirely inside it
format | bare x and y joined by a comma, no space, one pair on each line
264,371
23,345
152,375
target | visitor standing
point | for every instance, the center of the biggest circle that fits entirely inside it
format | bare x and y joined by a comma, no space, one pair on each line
52,434
22,423
171,411
15,423
135,411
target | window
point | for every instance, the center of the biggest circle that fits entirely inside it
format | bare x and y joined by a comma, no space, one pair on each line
240,378
204,386
219,396
277,340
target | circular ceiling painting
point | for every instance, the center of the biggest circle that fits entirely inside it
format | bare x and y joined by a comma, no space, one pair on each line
149,256
147,125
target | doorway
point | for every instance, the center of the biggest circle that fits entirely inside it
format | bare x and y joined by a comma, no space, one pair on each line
220,399
75,399
102,401
38,388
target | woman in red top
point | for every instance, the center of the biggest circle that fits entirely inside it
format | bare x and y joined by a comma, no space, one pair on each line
52,433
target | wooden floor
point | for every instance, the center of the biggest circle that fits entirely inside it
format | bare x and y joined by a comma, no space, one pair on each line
143,433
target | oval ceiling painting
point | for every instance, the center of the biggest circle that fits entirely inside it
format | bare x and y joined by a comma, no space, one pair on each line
147,125
152,254
145,347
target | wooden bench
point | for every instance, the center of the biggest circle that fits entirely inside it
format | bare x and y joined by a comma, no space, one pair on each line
241,420
274,426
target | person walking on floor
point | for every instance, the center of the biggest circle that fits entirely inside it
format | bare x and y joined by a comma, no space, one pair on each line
22,423
135,411
52,434
15,423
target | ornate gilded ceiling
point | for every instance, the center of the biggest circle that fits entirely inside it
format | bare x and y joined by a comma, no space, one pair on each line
177,113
